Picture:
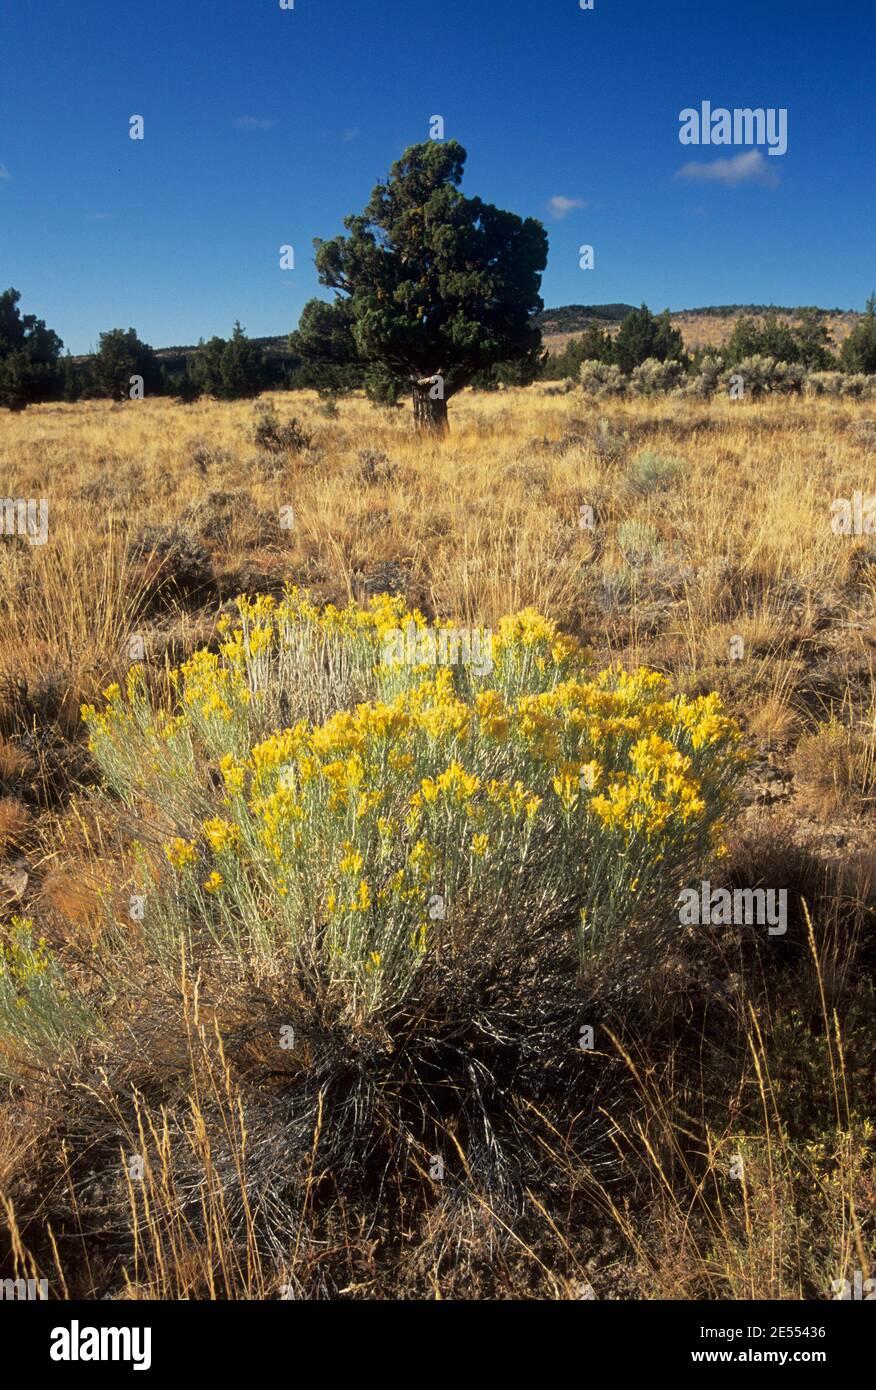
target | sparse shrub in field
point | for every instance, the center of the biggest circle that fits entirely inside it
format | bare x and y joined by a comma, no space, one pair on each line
762,375
267,464
610,443
275,437
117,485
168,560
824,383
702,386
859,386
13,761
788,378
639,544
329,405
203,457
689,390
655,378
533,476
709,376
356,845
758,375
221,512
42,1017
836,768
14,820
650,471
602,379
572,438
375,467
863,430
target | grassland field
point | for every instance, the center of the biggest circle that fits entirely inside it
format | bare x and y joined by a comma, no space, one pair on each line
691,538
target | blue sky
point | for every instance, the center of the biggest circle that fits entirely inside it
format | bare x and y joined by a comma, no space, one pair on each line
264,127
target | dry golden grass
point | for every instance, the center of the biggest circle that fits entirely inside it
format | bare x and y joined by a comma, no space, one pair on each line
14,820
483,522
836,767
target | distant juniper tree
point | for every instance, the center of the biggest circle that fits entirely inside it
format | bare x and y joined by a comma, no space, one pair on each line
70,379
29,355
769,337
643,335
593,345
858,353
120,356
205,366
501,374
183,386
805,340
431,287
242,367
229,369
814,346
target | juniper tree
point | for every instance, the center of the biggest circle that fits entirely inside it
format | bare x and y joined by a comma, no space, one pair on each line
122,356
431,287
229,370
859,349
242,365
28,355
643,335
814,346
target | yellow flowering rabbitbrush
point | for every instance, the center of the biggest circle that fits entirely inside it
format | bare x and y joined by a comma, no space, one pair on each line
396,801
42,1017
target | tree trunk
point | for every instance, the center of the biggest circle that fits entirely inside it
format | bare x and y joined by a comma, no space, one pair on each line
430,413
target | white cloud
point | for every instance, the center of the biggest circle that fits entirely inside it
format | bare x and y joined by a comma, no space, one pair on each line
351,133
742,168
559,205
254,123
4,172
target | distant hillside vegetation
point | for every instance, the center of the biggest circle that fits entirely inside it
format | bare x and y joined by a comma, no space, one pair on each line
574,318
712,325
709,326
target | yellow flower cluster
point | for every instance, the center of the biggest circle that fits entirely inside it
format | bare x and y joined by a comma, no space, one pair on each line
21,960
658,787
221,835
455,783
215,688
181,853
529,630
